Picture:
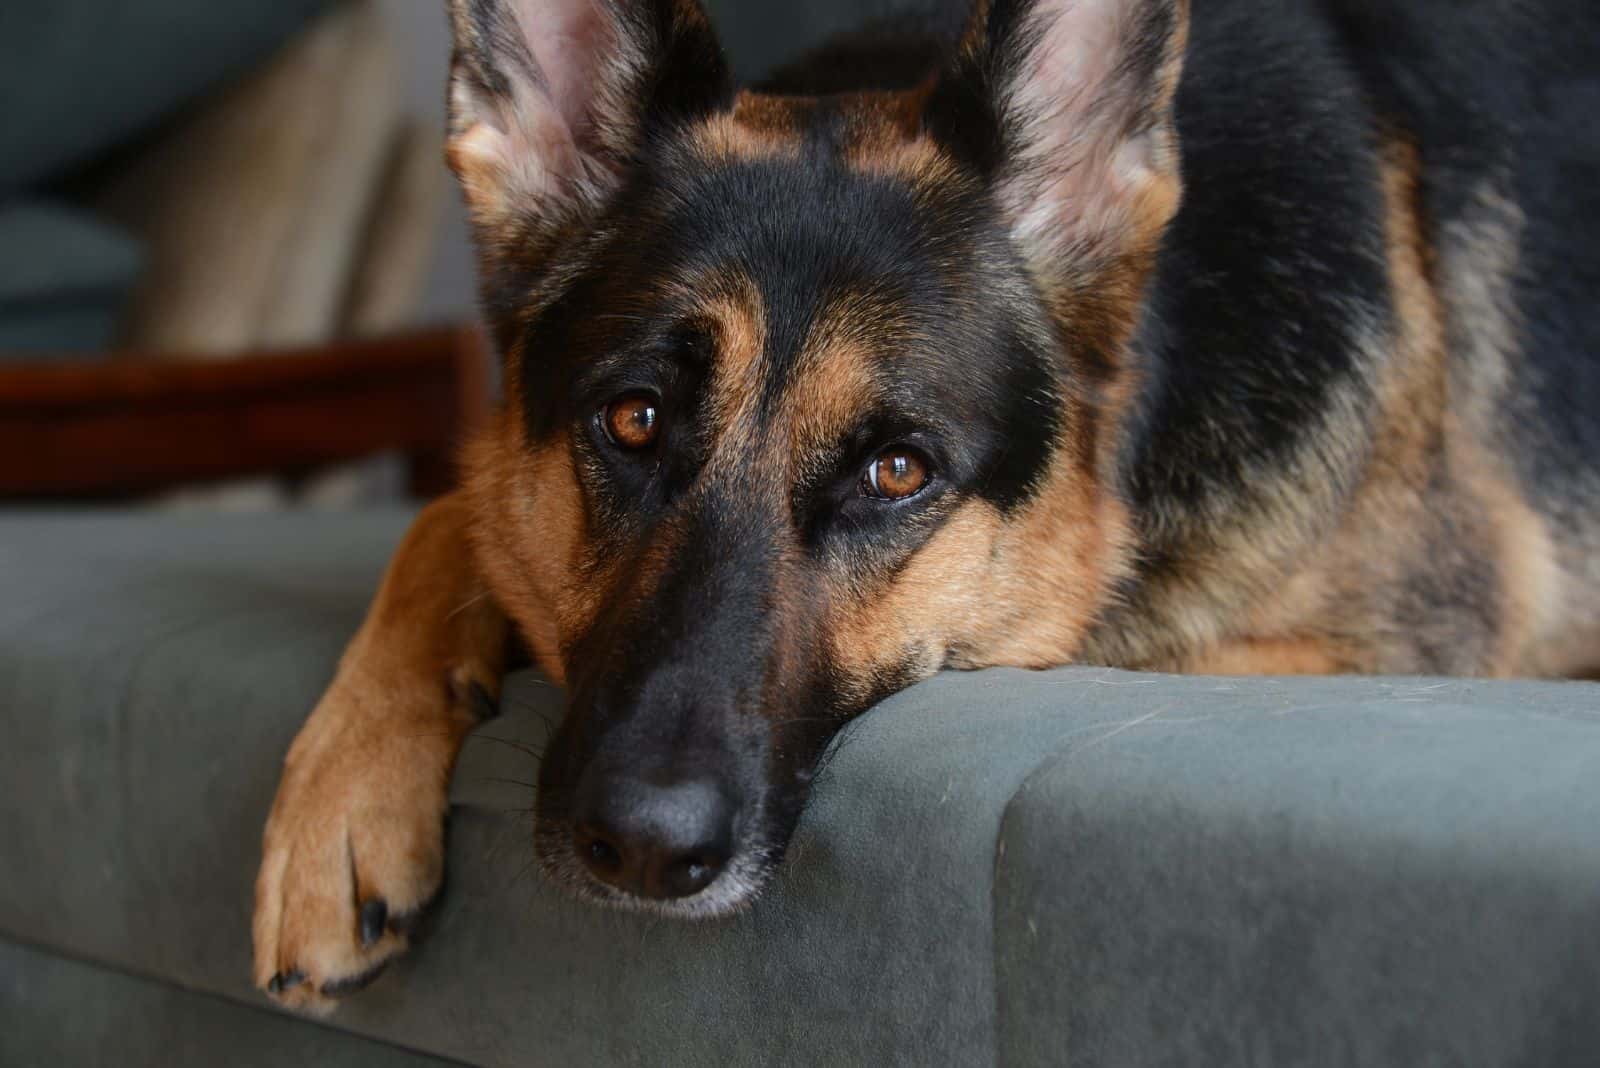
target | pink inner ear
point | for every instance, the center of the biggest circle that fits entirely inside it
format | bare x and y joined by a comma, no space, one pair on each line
1074,58
1071,90
1083,171
569,40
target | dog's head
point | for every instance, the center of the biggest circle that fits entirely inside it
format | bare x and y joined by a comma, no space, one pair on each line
808,397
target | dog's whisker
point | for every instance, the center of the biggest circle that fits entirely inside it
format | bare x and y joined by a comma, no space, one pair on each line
509,782
535,751
479,599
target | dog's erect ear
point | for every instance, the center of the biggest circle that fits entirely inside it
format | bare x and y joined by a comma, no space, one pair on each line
1081,93
549,98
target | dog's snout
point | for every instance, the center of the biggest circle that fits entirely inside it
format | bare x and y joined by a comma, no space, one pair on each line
654,841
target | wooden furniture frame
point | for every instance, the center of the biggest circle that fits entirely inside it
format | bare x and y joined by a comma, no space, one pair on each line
135,424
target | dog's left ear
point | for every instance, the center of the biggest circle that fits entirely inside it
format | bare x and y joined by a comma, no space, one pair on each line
1080,94
551,99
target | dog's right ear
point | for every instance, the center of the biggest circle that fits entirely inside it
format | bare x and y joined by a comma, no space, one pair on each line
549,100
1078,130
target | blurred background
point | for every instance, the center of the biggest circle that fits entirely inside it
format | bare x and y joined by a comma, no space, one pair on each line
234,272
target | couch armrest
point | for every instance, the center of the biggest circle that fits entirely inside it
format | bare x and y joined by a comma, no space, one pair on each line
1308,872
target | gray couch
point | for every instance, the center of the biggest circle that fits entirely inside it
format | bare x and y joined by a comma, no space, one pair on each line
1079,867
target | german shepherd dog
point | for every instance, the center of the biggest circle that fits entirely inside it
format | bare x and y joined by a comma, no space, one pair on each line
1262,341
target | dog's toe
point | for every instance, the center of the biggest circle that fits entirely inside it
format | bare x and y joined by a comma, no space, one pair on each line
335,933
353,854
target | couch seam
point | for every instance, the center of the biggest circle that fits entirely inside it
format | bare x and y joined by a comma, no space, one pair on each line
86,960
1047,763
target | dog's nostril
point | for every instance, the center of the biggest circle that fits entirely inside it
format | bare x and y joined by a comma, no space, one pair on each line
654,841
689,875
604,856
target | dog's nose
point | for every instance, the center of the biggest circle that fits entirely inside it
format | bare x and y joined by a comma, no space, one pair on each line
654,841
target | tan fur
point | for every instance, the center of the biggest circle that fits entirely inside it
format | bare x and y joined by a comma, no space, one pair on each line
833,387
359,814
829,387
1390,534
938,599
757,127
484,173
915,160
881,131
1282,656
1478,259
739,324
529,536
884,135
1529,582
985,591
1058,563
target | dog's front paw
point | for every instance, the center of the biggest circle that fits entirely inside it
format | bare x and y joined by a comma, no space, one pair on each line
353,852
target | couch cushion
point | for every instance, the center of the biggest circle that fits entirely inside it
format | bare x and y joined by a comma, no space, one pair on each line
152,673
997,867
64,277
81,76
1317,872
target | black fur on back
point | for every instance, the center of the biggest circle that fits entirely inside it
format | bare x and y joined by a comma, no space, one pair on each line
1272,280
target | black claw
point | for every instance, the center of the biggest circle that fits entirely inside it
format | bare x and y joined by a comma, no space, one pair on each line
285,981
374,918
340,987
465,692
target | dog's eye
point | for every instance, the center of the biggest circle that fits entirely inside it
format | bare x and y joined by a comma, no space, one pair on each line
632,421
895,474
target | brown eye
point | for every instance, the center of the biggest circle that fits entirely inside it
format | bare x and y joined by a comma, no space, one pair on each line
632,422
895,475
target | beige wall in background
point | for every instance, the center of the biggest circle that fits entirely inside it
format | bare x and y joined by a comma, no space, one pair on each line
422,37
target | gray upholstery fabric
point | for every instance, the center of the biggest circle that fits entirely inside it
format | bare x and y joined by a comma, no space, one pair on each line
1078,867
78,77
59,1012
150,672
1316,872
63,279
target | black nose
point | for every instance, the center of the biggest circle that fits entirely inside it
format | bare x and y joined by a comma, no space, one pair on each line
651,840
